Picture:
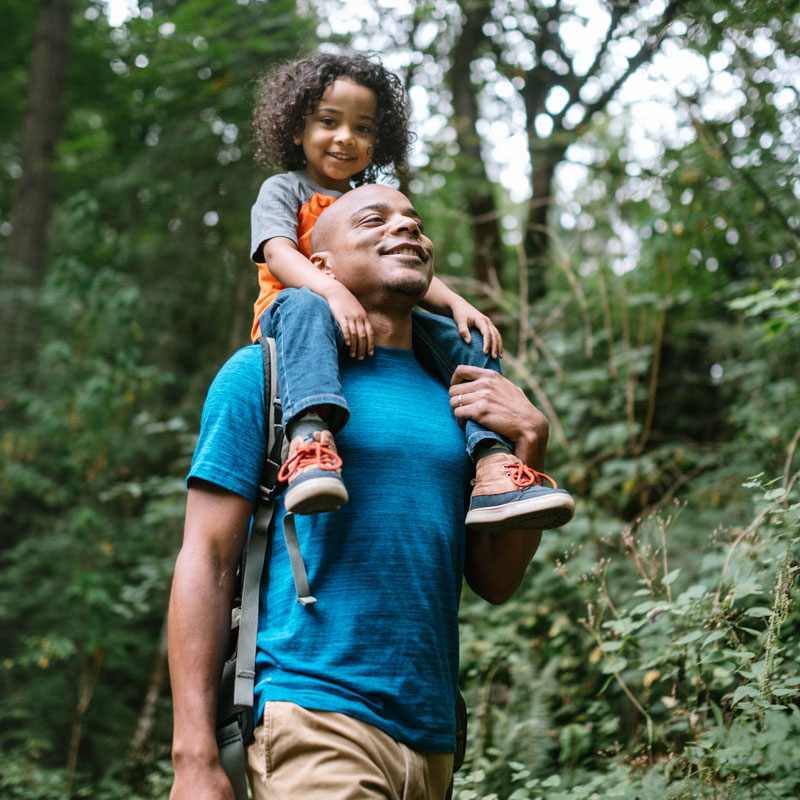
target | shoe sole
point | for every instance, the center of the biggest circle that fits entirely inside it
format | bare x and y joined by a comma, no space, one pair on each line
316,496
535,514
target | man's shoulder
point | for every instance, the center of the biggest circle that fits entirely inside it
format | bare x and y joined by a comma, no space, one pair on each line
240,377
246,360
232,444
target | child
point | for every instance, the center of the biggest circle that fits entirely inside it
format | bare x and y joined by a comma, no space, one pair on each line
334,121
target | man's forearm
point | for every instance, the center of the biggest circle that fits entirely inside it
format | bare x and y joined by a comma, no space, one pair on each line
199,627
495,563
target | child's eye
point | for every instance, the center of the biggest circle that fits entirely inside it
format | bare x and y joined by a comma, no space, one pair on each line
328,121
365,129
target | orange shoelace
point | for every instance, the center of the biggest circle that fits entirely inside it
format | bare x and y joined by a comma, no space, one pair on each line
310,454
522,475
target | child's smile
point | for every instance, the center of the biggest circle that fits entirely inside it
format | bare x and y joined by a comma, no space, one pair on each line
339,134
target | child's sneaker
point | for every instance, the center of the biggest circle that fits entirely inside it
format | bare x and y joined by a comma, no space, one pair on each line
509,495
314,472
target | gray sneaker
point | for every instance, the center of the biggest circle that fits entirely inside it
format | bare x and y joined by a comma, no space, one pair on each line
314,473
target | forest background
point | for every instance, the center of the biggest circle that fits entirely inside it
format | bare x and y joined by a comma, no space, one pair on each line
617,183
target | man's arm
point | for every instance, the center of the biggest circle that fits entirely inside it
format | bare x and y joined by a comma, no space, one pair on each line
217,522
495,563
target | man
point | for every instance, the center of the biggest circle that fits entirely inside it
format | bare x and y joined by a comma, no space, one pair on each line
355,694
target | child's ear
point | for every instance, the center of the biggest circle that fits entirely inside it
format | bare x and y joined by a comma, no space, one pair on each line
297,137
322,261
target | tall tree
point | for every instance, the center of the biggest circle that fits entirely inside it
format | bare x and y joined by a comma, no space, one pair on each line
487,262
42,128
564,62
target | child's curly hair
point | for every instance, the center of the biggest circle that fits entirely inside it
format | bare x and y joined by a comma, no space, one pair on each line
287,94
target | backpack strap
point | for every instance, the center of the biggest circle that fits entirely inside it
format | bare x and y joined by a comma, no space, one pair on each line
248,624
299,574
256,547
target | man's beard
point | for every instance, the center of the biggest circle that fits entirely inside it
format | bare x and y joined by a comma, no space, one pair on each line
412,287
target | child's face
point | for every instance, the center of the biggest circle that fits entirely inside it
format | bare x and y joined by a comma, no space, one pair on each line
339,134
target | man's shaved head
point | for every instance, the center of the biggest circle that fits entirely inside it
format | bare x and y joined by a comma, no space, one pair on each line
371,241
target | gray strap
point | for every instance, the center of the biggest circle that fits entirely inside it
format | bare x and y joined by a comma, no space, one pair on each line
248,625
232,757
273,382
296,557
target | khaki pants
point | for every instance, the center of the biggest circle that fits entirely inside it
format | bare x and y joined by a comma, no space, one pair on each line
299,754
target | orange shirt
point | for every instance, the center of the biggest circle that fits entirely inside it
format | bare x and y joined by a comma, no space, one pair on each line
269,286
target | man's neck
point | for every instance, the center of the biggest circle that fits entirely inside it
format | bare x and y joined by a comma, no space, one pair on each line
391,330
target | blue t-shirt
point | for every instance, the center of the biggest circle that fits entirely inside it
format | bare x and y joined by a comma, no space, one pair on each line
381,643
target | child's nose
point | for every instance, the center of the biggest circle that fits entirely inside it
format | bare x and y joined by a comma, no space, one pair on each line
344,133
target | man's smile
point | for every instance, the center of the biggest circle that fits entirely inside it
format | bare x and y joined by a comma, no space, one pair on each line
408,249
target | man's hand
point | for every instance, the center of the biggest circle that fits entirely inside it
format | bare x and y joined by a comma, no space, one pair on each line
201,782
352,319
466,316
493,401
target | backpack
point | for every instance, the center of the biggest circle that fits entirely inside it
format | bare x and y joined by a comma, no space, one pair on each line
235,719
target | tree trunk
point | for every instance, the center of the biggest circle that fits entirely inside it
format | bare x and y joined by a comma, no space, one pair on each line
537,231
147,717
488,251
42,127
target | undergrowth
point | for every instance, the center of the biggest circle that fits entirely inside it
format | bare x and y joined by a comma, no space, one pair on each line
645,662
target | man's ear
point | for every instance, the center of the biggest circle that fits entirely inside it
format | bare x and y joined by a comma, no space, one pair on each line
322,261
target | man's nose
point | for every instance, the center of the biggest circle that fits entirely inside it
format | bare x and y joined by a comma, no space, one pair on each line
403,224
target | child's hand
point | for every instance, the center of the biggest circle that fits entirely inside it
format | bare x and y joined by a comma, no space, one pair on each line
352,319
466,316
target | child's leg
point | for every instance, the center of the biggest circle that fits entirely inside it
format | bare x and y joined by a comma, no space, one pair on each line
508,494
307,342
438,342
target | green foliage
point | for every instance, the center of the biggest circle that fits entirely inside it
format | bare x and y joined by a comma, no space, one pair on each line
648,661
145,294
653,649
91,527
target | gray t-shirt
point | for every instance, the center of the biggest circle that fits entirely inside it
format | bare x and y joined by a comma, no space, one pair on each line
276,208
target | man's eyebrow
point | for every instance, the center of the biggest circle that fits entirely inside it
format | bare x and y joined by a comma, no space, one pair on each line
383,208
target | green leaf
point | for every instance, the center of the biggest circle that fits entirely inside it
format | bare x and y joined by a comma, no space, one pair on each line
713,637
671,576
616,665
758,611
688,638
745,691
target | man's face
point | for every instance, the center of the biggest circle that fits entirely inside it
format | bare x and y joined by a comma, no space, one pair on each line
376,245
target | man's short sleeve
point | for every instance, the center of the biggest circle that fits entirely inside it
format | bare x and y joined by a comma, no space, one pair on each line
232,444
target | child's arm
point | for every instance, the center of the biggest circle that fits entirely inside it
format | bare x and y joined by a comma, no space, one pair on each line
442,300
293,269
